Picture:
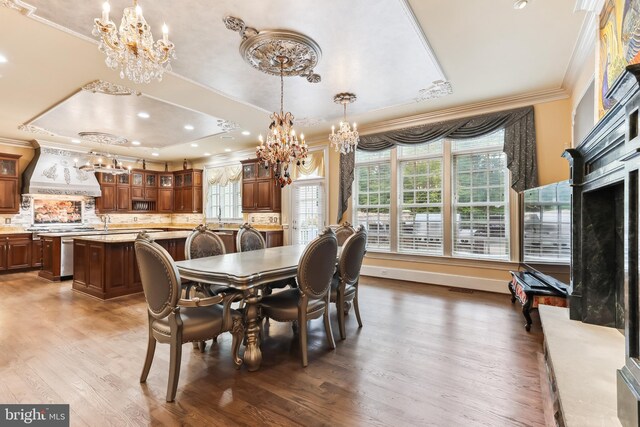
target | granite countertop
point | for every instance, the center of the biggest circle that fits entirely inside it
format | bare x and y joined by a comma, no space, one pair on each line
98,232
13,230
131,237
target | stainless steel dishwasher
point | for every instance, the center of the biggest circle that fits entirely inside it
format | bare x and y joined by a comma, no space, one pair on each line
66,257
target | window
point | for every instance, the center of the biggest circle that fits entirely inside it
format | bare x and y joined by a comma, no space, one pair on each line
547,223
420,212
224,201
452,198
373,200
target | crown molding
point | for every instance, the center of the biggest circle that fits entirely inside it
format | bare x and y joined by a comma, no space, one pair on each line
582,49
16,142
463,111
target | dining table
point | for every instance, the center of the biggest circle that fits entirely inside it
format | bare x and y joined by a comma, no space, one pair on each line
248,272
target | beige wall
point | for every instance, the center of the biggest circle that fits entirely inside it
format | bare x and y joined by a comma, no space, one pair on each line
553,136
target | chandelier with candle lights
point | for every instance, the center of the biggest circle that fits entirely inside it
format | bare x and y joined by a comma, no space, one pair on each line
282,148
346,139
131,47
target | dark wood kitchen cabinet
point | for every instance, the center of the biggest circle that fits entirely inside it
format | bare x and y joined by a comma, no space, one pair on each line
16,251
9,190
260,193
187,193
123,193
165,192
36,253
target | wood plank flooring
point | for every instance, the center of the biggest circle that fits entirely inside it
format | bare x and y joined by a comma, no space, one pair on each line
427,356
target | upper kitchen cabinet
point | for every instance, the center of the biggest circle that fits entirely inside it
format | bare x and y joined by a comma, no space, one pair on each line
259,190
115,191
165,192
9,191
187,191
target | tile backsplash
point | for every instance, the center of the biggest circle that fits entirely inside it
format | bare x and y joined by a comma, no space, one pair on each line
262,218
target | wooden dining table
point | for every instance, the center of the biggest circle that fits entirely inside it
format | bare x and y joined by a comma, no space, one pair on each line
248,272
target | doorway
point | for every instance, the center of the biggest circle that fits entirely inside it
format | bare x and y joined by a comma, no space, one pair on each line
308,210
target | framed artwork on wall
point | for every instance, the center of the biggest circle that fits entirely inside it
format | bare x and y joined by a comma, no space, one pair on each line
619,45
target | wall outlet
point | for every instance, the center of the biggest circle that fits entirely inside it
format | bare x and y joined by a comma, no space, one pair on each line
7,220
135,219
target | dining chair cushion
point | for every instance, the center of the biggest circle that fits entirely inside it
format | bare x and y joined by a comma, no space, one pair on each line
199,323
348,290
283,306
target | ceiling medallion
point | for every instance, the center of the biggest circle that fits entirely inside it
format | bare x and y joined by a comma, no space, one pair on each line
263,49
103,138
108,88
35,129
131,46
438,89
346,139
227,125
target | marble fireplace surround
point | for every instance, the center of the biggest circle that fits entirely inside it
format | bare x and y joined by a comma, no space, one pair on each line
605,250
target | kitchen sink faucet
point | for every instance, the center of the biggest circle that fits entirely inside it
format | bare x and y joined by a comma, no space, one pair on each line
106,219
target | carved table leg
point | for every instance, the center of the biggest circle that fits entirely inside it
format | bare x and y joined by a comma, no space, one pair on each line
526,309
513,292
252,354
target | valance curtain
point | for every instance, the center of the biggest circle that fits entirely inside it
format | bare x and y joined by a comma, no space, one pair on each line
313,166
224,175
519,145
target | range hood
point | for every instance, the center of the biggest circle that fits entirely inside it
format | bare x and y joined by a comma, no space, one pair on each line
52,171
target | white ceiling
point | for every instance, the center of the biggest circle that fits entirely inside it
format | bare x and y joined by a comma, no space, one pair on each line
375,48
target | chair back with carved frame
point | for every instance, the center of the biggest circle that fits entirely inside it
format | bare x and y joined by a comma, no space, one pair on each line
249,239
317,265
203,242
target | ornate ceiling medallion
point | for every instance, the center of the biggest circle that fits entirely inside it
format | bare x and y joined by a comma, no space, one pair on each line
108,88
19,6
103,138
227,125
438,89
35,129
264,50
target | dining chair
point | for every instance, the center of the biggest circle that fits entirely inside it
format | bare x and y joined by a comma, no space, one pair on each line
344,284
201,243
174,320
343,232
250,239
310,300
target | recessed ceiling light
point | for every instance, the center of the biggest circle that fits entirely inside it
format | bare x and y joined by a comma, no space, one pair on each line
194,144
135,142
154,154
188,127
246,133
520,4
76,141
3,59
143,115
207,154
227,150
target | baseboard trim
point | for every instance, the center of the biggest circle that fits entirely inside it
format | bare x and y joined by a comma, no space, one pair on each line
442,279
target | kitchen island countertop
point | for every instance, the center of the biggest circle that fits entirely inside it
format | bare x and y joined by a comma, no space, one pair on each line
131,237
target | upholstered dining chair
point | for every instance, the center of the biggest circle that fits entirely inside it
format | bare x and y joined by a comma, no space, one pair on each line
250,239
343,232
174,320
310,300
344,284
201,243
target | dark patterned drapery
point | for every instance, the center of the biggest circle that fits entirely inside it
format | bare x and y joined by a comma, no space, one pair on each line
519,145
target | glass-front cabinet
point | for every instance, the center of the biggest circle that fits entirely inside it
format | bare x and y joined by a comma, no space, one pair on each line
137,179
9,191
166,180
8,168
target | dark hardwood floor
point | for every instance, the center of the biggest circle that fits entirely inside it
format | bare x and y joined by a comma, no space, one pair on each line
426,356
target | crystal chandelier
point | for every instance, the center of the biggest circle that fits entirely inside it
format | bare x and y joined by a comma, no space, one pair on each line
131,47
346,139
282,147
95,164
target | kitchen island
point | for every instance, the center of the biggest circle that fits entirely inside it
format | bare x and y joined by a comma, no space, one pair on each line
105,266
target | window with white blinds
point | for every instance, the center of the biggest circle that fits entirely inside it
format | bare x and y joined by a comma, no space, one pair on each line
547,223
372,203
224,201
308,211
480,204
443,198
420,225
